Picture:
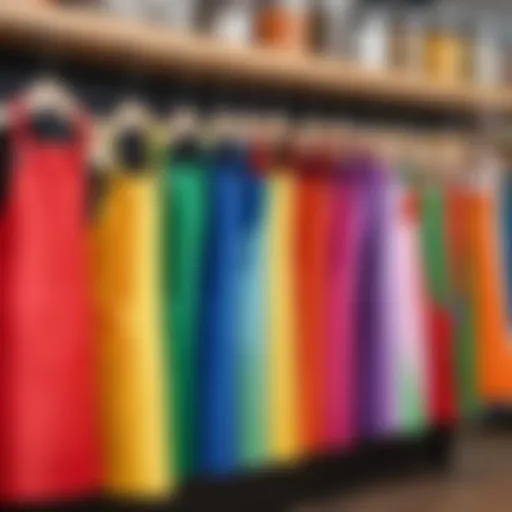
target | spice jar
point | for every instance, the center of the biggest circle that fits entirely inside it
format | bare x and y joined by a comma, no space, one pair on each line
446,49
286,24
177,13
334,26
232,20
372,36
408,38
487,52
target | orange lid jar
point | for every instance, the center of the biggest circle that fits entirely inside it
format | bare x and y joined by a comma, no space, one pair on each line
286,24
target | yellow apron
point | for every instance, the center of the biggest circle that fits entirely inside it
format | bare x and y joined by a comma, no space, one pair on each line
284,431
132,353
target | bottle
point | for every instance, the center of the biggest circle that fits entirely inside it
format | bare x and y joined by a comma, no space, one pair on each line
506,41
446,48
131,9
371,39
286,24
178,14
487,53
232,20
408,37
334,26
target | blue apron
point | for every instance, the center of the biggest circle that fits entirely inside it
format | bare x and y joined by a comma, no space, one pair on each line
218,353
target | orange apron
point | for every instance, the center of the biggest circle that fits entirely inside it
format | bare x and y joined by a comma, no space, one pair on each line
313,212
494,352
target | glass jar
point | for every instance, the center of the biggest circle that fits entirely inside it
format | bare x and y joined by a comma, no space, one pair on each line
286,24
232,20
408,38
372,35
178,13
447,46
335,25
487,52
506,41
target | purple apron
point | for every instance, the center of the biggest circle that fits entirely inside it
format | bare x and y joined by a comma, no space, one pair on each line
374,386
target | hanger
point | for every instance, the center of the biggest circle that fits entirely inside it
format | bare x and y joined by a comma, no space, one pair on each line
131,114
100,154
223,124
3,115
311,126
130,126
47,92
183,120
5,156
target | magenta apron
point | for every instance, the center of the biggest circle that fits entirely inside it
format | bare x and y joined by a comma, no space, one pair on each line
344,271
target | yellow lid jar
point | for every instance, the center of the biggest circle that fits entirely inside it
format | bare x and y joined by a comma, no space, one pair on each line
446,48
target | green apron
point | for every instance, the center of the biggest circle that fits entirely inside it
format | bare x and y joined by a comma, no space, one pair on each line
443,406
184,211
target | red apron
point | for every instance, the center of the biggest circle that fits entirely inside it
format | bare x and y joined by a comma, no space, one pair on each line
50,447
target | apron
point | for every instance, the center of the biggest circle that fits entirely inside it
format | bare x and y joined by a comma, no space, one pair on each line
312,253
464,299
392,307
48,390
184,219
282,390
252,336
344,270
442,401
506,225
494,352
374,386
222,281
132,359
408,294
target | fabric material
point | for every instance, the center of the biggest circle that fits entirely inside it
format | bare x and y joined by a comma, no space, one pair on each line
285,441
506,224
184,217
442,401
219,343
408,291
344,262
313,225
463,271
50,445
493,348
374,387
252,335
136,452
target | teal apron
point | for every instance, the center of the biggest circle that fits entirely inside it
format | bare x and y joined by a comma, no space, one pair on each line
253,319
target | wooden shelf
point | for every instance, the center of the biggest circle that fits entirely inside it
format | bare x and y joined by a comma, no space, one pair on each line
93,37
